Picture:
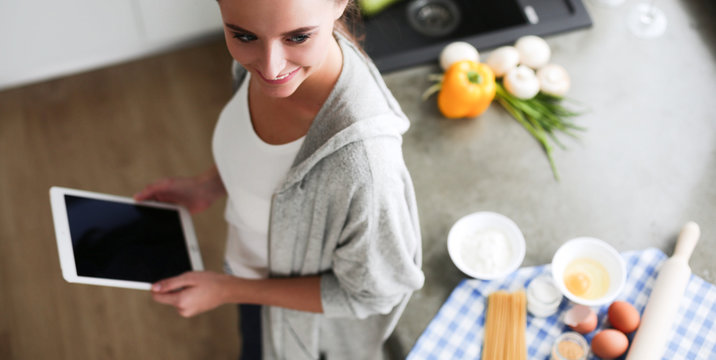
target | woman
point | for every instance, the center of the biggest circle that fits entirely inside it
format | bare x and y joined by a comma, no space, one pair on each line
323,226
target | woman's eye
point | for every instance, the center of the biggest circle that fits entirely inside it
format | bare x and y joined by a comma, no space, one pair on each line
298,39
244,37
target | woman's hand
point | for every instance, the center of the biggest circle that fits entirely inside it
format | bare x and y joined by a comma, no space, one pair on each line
193,293
195,193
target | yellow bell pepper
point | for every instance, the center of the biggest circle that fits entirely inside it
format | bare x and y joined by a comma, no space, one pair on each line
467,90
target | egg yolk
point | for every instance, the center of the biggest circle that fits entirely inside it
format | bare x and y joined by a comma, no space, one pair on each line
577,283
586,278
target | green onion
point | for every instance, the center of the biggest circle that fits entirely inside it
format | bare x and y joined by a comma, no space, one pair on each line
542,116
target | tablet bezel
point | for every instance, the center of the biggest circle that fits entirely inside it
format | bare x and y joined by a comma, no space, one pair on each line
64,240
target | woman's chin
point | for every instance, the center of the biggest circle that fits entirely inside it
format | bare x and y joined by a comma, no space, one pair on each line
279,93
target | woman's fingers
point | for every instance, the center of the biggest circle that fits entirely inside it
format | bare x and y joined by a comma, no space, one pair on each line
173,284
154,191
143,195
190,293
177,300
148,193
171,292
168,298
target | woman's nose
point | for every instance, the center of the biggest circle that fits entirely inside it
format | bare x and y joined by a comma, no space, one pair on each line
274,60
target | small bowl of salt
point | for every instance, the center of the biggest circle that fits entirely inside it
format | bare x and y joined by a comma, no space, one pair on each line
486,245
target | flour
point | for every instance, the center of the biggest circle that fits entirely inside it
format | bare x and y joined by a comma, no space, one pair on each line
486,251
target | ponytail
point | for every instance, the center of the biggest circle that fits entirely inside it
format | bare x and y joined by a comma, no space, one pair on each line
350,25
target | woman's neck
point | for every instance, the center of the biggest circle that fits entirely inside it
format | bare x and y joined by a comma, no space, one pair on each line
281,120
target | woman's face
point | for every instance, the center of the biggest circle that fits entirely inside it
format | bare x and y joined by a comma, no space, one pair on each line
281,42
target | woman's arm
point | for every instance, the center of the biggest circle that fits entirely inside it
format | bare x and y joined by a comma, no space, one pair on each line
196,292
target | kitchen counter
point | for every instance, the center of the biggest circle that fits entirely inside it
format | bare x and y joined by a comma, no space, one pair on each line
644,167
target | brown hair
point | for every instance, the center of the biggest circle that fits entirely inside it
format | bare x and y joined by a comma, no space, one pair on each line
350,24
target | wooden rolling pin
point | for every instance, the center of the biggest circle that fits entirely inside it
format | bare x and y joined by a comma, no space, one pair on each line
658,317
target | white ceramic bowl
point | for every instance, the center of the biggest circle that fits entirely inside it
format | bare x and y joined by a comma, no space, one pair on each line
480,223
587,247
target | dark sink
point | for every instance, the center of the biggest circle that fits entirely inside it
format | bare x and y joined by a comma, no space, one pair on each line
413,32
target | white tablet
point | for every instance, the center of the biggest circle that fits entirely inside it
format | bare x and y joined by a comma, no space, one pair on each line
116,241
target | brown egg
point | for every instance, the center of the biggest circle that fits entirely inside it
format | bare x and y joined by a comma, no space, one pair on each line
623,316
581,319
609,344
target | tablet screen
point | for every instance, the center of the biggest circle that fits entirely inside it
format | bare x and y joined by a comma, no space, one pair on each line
126,241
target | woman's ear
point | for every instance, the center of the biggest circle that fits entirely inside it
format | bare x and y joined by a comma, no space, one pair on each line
340,8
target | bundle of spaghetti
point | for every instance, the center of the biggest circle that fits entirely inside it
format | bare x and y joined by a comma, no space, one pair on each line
505,325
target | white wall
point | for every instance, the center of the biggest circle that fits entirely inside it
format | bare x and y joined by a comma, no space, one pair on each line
42,39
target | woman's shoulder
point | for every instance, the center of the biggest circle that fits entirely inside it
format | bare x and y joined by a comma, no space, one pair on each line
360,87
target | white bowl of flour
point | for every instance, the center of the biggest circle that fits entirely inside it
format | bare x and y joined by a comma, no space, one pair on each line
486,245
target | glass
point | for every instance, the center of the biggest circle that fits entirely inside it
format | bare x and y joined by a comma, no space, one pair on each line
570,346
646,20
608,3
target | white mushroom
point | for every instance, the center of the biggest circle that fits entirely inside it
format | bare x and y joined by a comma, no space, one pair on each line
503,59
522,82
457,51
534,51
553,79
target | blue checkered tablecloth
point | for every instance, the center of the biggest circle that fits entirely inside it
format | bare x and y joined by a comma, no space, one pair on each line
456,332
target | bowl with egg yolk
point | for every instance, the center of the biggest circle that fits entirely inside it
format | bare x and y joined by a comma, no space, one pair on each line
589,271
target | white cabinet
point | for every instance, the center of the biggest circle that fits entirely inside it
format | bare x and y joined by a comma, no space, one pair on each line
175,20
41,39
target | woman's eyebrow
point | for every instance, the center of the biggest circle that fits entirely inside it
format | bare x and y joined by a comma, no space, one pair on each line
237,28
300,30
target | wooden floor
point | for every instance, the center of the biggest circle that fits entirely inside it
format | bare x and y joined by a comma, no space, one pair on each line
112,130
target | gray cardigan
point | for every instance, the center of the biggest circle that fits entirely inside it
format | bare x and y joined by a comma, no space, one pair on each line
346,211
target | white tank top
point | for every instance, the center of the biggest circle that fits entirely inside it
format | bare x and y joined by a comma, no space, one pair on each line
251,171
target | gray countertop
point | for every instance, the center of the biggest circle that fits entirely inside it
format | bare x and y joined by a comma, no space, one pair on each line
644,167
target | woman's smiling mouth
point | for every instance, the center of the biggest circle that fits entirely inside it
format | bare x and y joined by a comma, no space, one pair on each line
281,79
